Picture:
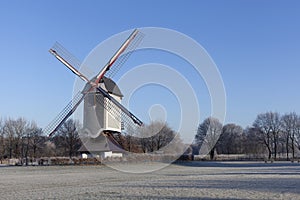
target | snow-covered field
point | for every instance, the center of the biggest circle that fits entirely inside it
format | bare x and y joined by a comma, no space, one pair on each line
194,180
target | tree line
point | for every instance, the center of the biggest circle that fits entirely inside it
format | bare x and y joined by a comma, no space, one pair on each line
270,134
23,139
152,138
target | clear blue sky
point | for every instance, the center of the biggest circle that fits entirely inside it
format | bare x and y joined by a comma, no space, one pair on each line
255,44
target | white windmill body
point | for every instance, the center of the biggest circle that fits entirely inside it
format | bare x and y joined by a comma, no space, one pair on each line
97,116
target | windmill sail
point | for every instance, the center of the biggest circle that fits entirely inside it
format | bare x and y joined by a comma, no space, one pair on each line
67,59
125,55
128,46
64,114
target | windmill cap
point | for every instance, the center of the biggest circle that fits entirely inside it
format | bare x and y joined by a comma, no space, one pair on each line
112,87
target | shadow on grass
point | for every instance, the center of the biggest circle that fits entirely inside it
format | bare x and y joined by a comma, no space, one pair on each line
234,164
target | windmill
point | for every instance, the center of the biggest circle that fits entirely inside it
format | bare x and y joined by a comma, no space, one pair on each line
103,113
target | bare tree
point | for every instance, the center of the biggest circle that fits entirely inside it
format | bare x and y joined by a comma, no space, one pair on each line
264,132
156,136
207,136
36,141
297,133
32,141
269,126
153,134
289,124
144,139
20,128
14,131
25,140
67,139
130,141
252,142
276,129
9,134
164,136
231,139
2,141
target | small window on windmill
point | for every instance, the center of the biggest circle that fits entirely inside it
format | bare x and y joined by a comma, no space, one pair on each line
122,126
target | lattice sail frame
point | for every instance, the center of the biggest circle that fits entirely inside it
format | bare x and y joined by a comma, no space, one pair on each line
64,114
128,126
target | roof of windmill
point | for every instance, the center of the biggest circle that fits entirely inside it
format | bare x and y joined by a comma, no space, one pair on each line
112,87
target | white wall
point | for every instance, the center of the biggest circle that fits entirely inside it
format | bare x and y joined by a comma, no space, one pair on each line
111,154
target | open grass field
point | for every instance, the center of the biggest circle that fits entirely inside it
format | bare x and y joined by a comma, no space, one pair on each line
190,180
